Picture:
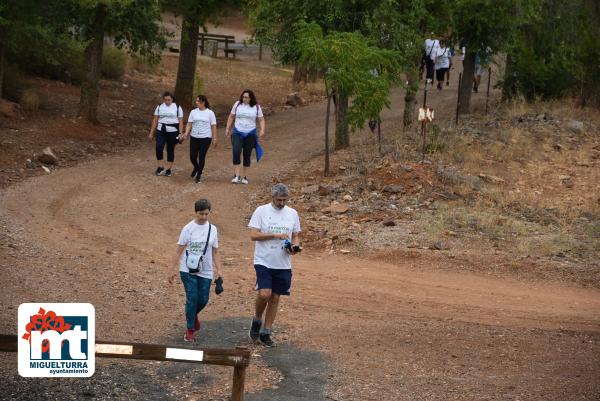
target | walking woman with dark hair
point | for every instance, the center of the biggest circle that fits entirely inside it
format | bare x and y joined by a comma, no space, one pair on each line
166,126
202,126
244,116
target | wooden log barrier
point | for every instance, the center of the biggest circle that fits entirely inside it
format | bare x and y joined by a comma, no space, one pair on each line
238,358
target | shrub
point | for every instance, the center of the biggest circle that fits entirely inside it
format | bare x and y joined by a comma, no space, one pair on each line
113,63
30,100
142,64
13,83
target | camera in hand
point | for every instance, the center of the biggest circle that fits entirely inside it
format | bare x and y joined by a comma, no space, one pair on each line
292,248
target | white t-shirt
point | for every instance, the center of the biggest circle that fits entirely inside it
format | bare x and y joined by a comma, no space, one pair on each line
245,116
442,58
429,44
168,115
268,219
202,121
193,236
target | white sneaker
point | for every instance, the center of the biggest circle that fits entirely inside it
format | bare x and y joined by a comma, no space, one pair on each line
235,180
244,181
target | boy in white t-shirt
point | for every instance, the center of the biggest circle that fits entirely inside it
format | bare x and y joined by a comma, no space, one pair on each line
276,229
198,260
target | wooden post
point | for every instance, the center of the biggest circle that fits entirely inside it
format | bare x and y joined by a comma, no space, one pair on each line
260,52
202,44
487,96
423,128
239,377
379,133
238,358
226,47
458,98
326,169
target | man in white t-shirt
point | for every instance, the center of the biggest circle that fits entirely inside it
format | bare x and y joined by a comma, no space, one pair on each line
276,229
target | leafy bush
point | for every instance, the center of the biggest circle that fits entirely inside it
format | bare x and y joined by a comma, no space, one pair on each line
142,64
30,100
13,83
113,63
65,64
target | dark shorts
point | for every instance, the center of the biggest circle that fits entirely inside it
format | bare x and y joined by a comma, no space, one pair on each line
278,281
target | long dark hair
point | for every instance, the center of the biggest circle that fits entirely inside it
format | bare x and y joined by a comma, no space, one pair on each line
252,97
204,100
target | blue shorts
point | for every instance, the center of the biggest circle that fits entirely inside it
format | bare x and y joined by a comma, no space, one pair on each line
278,281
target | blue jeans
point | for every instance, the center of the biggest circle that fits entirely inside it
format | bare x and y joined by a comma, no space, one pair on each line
197,290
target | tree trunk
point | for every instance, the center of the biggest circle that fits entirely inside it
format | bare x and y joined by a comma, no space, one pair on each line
300,74
410,99
1,63
326,169
186,72
342,135
90,92
509,87
466,86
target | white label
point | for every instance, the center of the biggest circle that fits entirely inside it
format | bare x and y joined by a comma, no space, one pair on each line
184,354
114,349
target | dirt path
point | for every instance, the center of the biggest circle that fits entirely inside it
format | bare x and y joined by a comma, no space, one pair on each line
104,232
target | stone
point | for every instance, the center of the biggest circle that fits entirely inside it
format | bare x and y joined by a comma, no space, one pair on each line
324,190
348,198
575,126
46,169
558,147
439,246
392,189
311,189
47,157
9,109
294,99
492,179
389,222
345,251
339,208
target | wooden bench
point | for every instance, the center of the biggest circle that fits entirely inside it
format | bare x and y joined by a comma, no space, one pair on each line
227,39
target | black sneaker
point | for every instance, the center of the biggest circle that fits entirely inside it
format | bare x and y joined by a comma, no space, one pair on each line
168,173
265,339
194,172
198,180
254,332
159,171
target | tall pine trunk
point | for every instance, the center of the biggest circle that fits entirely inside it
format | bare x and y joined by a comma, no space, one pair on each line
466,86
410,99
1,63
90,92
186,71
342,134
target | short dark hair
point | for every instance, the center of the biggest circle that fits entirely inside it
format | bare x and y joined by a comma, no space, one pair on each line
167,93
204,100
202,204
252,97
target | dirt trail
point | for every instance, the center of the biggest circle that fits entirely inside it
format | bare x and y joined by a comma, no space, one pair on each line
104,232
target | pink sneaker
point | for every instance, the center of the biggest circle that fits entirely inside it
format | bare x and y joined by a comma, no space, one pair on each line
189,335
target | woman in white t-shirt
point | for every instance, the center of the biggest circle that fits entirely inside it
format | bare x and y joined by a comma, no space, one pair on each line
166,126
244,117
202,126
442,63
198,261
